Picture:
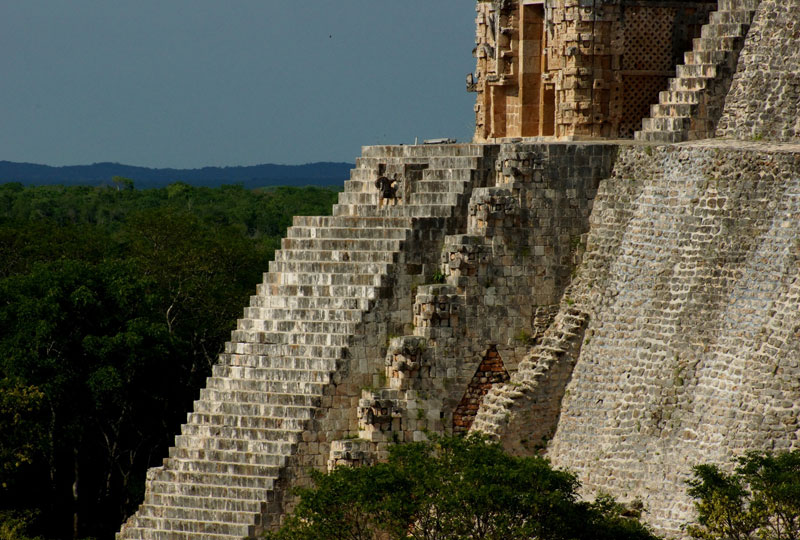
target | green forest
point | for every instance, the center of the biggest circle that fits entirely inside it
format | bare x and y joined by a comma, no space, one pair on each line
114,304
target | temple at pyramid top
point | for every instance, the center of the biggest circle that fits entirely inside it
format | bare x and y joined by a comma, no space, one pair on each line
589,69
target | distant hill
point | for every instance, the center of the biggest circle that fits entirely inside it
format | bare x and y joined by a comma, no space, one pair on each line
317,174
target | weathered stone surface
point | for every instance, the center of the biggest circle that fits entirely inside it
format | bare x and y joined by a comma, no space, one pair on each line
764,101
690,353
647,321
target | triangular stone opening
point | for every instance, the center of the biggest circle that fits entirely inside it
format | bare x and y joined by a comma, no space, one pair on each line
490,372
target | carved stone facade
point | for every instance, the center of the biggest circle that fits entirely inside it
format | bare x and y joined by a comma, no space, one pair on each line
576,69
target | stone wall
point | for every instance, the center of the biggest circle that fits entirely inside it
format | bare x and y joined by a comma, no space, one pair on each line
764,101
499,287
690,349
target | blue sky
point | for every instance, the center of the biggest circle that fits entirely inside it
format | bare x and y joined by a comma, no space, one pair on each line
191,83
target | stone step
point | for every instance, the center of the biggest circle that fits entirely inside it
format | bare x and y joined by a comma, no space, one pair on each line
262,397
705,57
741,16
139,533
450,175
310,302
664,124
258,354
737,5
266,324
274,337
440,181
276,324
671,110
284,338
441,186
363,179
410,210
254,458
282,416
270,363
382,151
319,314
719,43
698,71
230,494
226,444
691,97
660,137
692,84
268,375
352,221
730,29
359,198
350,244
332,267
449,199
371,163
360,177
317,291
310,278
222,468
335,255
296,325
279,398
225,504
193,528
415,198
381,233
215,479
433,162
248,428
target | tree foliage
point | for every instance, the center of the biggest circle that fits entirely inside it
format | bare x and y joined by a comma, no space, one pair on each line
114,304
759,499
454,488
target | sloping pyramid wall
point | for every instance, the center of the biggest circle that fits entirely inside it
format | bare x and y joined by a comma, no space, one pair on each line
678,342
764,101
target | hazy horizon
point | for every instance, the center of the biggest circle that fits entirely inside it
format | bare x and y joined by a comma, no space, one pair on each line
189,84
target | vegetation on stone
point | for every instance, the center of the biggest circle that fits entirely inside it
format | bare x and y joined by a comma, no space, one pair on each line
453,488
113,306
759,499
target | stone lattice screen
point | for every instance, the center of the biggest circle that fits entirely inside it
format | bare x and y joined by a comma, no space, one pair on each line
655,38
647,62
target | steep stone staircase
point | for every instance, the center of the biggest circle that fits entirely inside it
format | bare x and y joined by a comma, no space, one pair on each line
690,108
530,402
293,341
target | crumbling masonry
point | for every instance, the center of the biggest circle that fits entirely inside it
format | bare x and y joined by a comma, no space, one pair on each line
629,308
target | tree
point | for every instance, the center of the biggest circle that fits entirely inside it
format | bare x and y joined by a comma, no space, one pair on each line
454,488
113,307
122,183
21,412
759,499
